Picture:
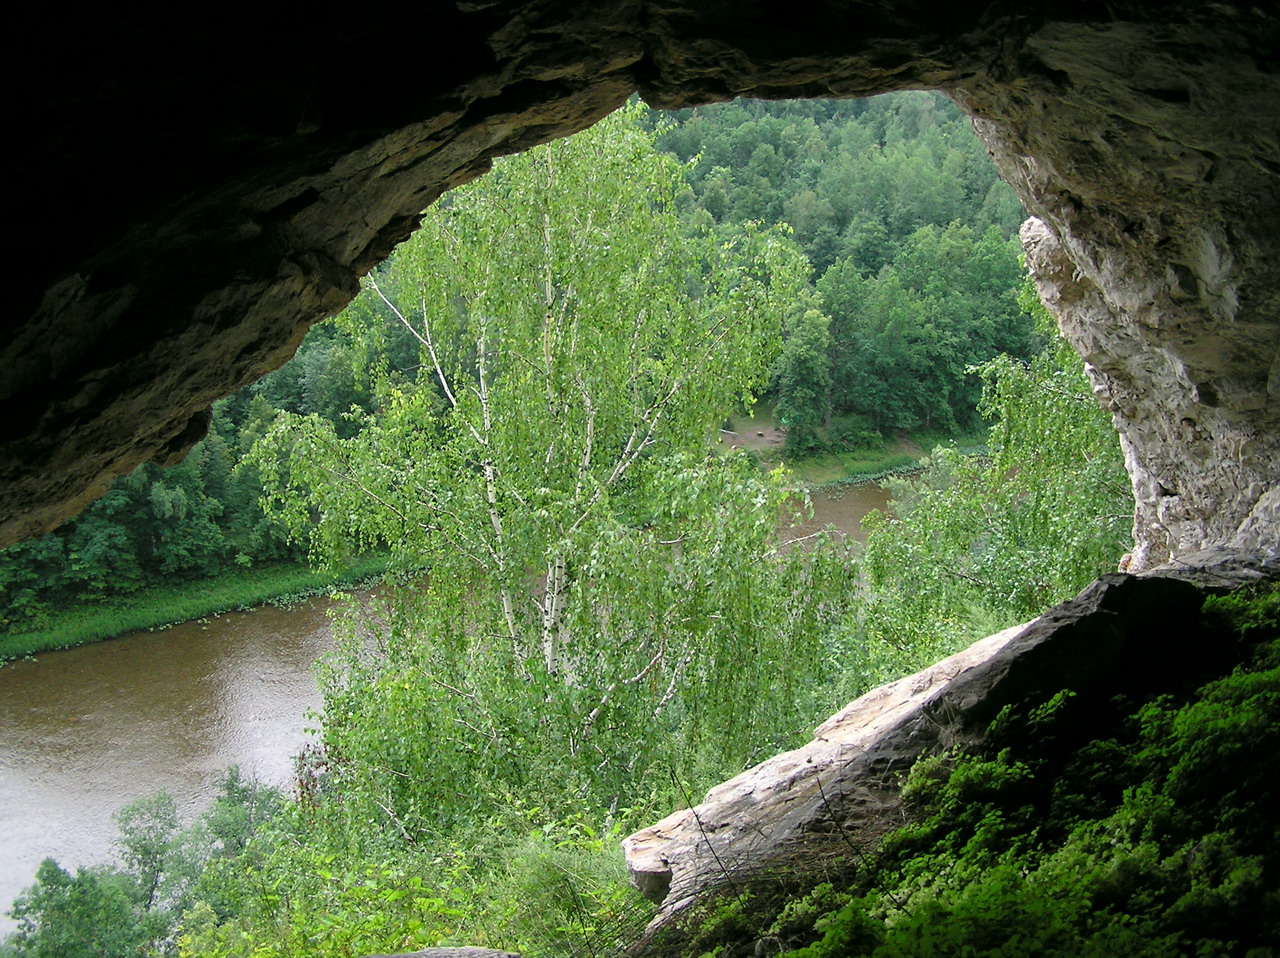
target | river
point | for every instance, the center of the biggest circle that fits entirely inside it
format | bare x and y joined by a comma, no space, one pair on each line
86,731
842,508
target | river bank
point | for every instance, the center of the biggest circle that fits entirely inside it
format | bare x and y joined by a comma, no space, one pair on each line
840,467
91,729
168,604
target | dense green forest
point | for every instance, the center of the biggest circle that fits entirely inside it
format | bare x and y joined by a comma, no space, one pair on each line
909,276
912,240
589,617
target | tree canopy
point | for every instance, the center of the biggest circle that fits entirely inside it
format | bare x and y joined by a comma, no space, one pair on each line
592,570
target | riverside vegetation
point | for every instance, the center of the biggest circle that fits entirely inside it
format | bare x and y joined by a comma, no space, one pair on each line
892,202
518,405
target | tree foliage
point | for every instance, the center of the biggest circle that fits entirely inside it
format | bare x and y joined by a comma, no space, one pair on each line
803,374
910,233
592,574
977,543
133,908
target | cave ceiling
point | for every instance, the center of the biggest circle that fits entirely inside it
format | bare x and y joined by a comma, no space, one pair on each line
189,200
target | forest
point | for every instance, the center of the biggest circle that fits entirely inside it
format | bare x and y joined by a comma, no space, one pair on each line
590,612
892,211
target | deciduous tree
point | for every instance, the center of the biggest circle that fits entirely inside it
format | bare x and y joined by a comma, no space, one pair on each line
598,586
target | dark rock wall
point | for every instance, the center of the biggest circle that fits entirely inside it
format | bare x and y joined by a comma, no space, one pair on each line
189,201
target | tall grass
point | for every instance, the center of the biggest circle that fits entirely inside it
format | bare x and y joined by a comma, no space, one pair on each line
858,470
168,604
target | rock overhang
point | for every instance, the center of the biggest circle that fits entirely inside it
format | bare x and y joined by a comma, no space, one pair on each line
195,202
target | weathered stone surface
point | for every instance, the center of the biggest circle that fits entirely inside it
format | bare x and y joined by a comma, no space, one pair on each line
1220,568
1123,635
186,203
1150,154
753,816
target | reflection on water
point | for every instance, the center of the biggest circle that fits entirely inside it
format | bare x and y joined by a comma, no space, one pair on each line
843,508
86,731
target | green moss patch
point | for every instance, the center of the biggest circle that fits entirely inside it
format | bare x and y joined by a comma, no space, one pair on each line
1158,838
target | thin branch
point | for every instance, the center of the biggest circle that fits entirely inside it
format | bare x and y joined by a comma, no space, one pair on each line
693,810
584,464
608,693
399,824
860,853
490,474
449,688
491,736
669,694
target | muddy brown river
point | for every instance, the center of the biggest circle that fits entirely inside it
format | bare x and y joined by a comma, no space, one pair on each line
86,731
843,508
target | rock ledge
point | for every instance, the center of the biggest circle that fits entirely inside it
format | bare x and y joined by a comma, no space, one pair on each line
1124,634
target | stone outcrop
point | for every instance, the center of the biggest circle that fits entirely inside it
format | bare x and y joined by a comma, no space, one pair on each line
1154,250
1124,635
185,203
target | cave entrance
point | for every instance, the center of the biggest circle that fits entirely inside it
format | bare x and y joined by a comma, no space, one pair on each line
210,245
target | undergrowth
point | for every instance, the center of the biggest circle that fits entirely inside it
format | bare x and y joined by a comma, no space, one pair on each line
1158,838
168,605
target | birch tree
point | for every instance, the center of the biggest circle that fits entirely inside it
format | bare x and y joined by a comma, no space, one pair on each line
597,583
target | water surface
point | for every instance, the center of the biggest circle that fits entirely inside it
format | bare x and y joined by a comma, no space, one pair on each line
85,731
842,507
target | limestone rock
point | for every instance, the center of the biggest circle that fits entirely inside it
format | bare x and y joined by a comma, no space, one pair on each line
839,793
187,203
1202,459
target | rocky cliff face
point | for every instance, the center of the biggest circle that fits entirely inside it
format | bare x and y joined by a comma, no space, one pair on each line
1195,413
1154,250
187,203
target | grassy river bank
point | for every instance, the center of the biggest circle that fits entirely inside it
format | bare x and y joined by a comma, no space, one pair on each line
839,465
167,604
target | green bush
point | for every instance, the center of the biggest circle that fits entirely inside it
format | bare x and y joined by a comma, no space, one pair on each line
854,432
1158,839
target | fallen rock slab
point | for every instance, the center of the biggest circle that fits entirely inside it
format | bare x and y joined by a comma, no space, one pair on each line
840,793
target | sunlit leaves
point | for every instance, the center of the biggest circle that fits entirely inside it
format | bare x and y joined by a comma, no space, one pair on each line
601,594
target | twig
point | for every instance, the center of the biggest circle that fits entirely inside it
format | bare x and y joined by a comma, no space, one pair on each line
400,825
449,688
491,736
703,831
862,856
